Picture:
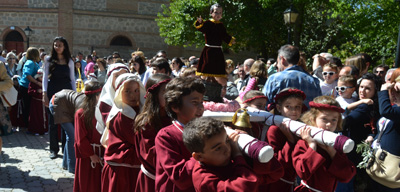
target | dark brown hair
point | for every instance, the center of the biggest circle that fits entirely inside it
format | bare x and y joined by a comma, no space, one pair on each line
89,103
176,89
151,110
199,130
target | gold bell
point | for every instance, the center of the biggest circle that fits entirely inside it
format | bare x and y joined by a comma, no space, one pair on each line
243,120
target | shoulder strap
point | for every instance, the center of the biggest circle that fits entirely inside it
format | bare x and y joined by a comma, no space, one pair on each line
381,131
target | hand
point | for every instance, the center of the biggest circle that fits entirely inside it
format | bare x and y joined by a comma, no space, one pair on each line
239,131
95,159
39,90
233,41
305,134
45,100
200,20
397,86
369,140
367,101
286,131
387,86
235,151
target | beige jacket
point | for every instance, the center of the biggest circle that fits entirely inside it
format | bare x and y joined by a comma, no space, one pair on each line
5,80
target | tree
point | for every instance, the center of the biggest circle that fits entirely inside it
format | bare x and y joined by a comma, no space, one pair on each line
254,27
344,27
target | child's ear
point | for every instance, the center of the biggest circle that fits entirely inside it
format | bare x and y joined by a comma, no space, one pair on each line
198,156
278,107
175,109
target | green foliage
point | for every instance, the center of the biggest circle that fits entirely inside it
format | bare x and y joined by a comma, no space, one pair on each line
366,152
344,27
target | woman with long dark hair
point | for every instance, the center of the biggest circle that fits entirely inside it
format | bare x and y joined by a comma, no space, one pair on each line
138,66
361,121
58,75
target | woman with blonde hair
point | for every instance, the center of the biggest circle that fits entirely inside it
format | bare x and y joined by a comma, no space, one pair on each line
258,77
29,70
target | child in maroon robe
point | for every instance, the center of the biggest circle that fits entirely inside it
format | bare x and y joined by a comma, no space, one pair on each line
212,61
220,166
37,116
88,151
147,124
258,100
319,166
122,164
106,100
174,163
288,103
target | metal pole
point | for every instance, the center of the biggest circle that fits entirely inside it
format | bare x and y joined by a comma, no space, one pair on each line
27,43
289,42
396,63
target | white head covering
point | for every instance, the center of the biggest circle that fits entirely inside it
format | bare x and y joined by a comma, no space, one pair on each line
119,105
107,94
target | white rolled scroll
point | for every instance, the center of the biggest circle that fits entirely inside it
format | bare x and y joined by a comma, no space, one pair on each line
321,136
264,155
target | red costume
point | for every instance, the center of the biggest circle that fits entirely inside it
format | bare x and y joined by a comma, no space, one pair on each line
87,143
122,165
212,61
37,115
146,151
283,152
174,162
237,176
318,170
104,110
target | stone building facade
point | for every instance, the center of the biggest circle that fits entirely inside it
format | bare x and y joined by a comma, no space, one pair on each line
101,25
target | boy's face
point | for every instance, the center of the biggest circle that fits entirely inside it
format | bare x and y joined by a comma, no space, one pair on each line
349,89
259,103
216,151
329,74
192,107
217,14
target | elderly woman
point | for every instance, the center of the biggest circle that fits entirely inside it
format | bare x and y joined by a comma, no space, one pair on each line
389,102
11,64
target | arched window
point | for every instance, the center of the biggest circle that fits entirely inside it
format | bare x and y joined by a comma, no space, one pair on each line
121,41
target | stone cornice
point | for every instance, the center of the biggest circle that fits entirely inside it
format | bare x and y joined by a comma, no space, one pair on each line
109,13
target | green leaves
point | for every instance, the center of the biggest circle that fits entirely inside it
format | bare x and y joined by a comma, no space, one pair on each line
366,152
345,27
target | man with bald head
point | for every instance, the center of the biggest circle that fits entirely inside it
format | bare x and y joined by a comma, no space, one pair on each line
247,65
349,70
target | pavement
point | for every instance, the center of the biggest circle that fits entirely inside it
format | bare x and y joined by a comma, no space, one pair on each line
25,165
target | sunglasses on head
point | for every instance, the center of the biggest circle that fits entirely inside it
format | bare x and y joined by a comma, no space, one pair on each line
325,73
342,89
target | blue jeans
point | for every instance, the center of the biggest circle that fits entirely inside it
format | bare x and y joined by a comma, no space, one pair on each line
69,150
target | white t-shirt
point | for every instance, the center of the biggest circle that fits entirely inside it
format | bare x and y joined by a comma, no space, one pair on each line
344,102
328,89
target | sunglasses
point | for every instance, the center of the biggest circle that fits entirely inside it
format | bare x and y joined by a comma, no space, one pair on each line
380,72
325,73
342,89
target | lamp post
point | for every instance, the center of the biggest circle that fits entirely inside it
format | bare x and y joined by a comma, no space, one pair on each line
290,17
28,32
